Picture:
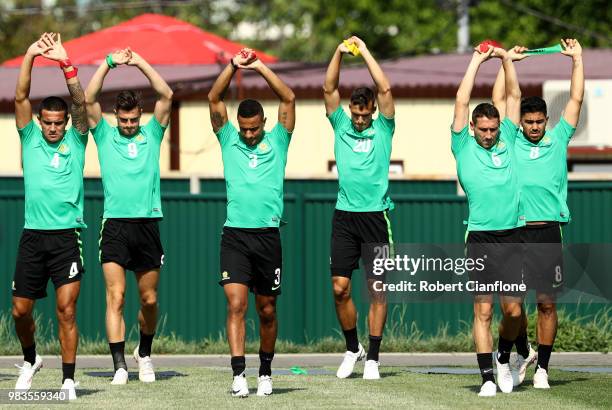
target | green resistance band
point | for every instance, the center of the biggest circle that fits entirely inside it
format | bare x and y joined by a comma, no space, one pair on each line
298,370
546,50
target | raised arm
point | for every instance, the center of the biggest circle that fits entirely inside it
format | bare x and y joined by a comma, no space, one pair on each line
464,93
163,105
573,49
513,91
331,94
57,53
499,88
23,107
498,96
94,110
286,108
216,106
383,87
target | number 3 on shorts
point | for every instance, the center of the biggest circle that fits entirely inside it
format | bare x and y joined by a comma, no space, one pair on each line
277,280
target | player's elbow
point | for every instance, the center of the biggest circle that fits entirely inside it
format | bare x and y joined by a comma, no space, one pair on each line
214,97
329,90
461,99
168,94
90,98
384,90
577,99
289,98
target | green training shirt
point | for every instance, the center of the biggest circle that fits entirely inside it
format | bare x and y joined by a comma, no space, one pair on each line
489,179
53,178
542,171
130,170
254,177
362,159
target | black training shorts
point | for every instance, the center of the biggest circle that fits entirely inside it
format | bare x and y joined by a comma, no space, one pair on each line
44,255
543,263
352,230
132,243
253,257
502,256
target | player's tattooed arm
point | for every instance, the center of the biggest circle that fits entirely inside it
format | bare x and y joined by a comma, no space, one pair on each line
79,110
216,95
283,118
217,121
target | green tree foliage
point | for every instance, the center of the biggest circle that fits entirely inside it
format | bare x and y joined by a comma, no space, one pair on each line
514,22
308,30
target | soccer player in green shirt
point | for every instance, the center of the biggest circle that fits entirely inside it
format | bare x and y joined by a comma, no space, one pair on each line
50,246
487,172
251,256
129,238
542,164
362,147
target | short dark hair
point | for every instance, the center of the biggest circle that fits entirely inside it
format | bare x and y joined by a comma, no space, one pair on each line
484,110
53,104
362,96
127,100
533,104
250,108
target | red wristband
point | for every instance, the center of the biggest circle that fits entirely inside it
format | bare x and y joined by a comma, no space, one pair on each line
71,74
65,63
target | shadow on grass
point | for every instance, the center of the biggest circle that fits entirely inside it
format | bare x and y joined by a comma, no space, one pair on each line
86,392
162,375
284,390
528,385
4,376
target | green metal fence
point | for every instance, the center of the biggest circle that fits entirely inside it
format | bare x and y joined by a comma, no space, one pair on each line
193,302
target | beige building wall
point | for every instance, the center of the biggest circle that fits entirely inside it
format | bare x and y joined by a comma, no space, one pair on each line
421,140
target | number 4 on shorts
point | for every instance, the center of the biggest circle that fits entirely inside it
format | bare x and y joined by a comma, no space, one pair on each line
74,270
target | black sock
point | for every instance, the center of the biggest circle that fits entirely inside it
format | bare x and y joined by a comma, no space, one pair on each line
352,344
118,353
29,354
374,347
238,365
544,352
265,363
504,347
68,371
485,363
522,345
144,348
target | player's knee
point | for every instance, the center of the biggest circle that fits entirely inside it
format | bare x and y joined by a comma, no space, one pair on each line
513,311
341,292
236,307
66,313
267,313
546,309
148,300
115,300
483,315
20,313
